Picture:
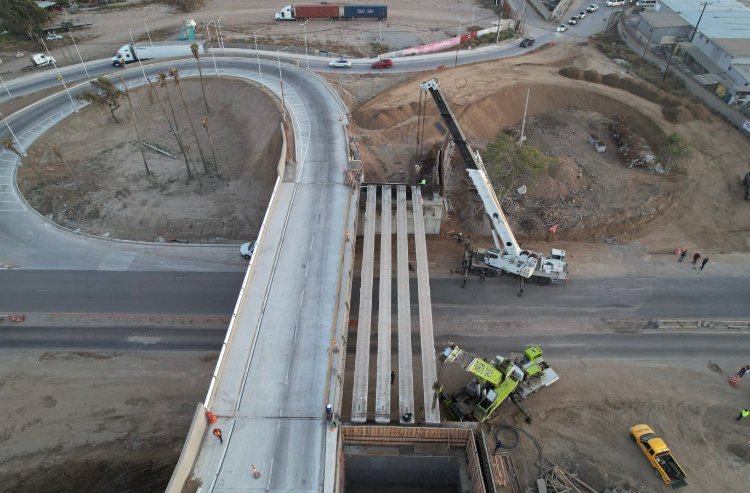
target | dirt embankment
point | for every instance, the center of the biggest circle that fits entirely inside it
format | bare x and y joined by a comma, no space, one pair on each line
88,173
699,203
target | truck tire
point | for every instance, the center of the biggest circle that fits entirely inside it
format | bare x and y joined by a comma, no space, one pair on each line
543,281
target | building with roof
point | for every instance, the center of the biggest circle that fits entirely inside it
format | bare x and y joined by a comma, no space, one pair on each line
712,37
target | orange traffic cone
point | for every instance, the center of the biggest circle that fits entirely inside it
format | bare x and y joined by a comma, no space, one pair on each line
211,417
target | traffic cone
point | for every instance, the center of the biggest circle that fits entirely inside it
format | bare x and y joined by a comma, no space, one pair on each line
211,417
735,380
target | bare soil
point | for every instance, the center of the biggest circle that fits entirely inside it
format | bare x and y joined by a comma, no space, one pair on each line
75,419
88,173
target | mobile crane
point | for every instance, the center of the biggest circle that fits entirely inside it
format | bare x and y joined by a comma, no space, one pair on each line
510,257
494,381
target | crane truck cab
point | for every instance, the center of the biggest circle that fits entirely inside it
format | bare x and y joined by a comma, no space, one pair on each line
659,455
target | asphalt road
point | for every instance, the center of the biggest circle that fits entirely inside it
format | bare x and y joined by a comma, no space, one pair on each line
215,293
59,291
652,346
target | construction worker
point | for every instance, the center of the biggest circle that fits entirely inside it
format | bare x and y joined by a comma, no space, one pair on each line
423,184
217,434
743,414
743,370
329,412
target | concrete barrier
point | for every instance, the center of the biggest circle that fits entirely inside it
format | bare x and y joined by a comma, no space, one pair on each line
189,451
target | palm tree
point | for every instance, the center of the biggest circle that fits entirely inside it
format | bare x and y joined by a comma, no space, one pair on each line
161,78
204,122
59,155
10,145
196,55
175,75
105,94
135,124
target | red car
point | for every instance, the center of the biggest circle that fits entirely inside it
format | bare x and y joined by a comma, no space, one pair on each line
384,63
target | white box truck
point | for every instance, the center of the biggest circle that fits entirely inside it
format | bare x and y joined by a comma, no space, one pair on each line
144,51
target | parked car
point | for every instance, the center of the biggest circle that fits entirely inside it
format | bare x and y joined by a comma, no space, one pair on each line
562,28
340,63
527,42
247,250
572,21
592,8
53,37
615,3
581,14
384,63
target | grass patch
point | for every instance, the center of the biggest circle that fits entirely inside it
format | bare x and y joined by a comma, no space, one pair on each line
612,46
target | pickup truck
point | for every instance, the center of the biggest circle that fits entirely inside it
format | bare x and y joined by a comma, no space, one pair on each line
659,455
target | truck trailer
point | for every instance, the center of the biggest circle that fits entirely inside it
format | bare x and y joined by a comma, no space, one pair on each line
332,12
133,52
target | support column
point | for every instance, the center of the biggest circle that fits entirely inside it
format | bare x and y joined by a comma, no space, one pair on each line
383,387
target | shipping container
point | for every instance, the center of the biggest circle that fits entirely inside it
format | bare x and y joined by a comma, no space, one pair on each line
302,12
379,12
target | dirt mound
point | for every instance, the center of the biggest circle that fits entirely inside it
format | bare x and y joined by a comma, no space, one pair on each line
612,80
593,76
389,117
670,101
560,180
699,111
678,114
572,73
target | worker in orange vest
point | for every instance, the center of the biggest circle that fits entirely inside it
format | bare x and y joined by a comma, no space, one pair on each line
217,434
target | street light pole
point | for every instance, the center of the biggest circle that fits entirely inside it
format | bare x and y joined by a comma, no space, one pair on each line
307,59
705,4
455,63
79,53
20,147
59,75
281,84
257,56
145,21
221,39
380,39
648,42
213,52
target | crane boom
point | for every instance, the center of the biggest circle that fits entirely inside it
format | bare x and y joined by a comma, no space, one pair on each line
509,257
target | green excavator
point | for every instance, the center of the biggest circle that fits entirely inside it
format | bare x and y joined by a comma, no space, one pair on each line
494,381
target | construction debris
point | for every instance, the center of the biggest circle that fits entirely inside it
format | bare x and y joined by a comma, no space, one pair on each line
510,206
504,472
633,149
552,216
558,480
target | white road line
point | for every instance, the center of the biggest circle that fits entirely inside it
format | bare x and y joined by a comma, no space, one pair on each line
301,297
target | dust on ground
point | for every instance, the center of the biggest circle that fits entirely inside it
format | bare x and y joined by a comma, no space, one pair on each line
88,173
699,204
96,421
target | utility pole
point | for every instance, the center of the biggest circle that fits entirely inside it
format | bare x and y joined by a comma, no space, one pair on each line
648,42
380,39
307,59
257,56
281,84
145,21
455,63
213,52
523,123
59,76
79,53
705,4
669,60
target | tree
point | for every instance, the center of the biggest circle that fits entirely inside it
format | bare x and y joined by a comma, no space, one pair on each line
196,55
23,17
175,75
673,150
204,122
10,145
135,124
105,93
161,78
508,161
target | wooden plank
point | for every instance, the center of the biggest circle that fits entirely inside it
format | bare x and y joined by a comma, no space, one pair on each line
427,340
362,356
405,368
383,384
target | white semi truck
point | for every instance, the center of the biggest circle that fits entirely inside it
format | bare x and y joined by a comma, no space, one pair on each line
144,51
508,256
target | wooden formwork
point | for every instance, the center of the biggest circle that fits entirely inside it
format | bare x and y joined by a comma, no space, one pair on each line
402,435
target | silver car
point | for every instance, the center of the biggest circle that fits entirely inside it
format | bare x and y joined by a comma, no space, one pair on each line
340,63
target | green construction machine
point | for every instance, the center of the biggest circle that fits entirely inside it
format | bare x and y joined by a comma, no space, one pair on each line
494,381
